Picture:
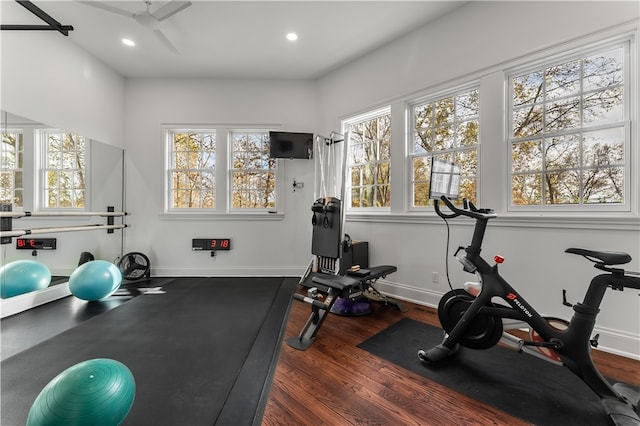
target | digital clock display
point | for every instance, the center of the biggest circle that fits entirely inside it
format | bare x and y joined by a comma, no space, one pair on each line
36,243
211,244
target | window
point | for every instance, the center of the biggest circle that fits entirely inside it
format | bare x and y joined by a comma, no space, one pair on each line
569,134
64,170
11,169
447,128
369,159
221,169
192,170
253,173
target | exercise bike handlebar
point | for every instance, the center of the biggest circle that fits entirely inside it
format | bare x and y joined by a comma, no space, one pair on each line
469,210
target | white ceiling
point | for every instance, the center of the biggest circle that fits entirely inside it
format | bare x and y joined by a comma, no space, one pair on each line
235,39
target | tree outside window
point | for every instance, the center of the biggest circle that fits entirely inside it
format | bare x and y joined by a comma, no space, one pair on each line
369,159
64,173
193,177
253,173
11,169
446,128
568,133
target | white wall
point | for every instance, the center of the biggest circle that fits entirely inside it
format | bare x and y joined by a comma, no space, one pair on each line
46,78
260,246
477,41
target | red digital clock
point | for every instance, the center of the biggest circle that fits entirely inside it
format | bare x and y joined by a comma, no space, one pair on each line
211,244
35,243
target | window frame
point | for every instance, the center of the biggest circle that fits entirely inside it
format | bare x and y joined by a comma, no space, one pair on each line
578,53
42,139
345,123
223,174
451,91
20,168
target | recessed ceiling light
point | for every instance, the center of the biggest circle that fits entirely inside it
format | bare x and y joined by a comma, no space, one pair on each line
292,36
128,42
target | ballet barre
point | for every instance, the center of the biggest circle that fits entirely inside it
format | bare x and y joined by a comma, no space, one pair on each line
7,215
21,232
19,214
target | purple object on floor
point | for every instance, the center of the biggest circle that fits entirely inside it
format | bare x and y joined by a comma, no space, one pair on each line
352,308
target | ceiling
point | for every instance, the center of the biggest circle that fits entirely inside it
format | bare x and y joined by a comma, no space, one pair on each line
234,39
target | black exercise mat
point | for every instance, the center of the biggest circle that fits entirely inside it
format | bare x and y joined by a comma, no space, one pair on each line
186,348
519,384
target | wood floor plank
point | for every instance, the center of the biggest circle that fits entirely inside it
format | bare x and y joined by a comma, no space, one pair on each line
336,383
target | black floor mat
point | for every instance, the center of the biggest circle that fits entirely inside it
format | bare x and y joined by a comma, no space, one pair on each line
521,385
187,349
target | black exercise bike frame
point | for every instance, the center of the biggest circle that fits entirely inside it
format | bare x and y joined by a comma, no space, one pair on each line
572,344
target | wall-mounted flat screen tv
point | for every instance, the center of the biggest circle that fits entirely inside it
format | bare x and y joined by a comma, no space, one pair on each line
290,145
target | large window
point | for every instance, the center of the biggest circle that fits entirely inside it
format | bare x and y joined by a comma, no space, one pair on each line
253,173
447,128
11,169
64,182
369,159
220,170
569,131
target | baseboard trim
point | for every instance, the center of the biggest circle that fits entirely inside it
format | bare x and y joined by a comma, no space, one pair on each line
23,302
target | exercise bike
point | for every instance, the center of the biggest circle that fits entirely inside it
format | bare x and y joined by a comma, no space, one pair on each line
477,319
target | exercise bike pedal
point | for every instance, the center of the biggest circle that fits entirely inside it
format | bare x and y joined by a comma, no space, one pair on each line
437,354
553,344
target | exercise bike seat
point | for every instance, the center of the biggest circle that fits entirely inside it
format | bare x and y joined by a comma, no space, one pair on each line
605,257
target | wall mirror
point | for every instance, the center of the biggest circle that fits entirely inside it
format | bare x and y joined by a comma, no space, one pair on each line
96,185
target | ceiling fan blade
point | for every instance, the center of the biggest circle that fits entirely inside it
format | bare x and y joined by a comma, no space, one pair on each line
170,9
107,7
163,38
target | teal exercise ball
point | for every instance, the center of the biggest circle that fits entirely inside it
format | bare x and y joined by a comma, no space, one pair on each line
97,392
95,280
23,276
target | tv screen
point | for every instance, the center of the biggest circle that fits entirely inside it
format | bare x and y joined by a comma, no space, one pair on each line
290,145
445,180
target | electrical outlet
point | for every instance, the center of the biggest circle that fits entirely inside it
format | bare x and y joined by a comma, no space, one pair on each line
435,277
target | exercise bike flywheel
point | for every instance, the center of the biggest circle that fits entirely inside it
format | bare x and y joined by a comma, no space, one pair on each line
483,333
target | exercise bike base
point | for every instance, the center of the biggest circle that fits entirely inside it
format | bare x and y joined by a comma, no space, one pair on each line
437,353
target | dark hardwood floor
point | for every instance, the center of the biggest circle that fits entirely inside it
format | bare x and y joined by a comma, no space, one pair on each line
336,383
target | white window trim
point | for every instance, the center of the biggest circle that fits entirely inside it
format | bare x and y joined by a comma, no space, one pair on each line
410,125
41,159
222,211
344,125
632,158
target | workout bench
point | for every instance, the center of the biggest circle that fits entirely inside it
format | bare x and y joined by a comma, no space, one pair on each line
353,285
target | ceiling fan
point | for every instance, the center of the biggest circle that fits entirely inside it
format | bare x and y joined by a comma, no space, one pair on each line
147,18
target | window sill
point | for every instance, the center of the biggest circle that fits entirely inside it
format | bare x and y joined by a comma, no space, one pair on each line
222,216
609,222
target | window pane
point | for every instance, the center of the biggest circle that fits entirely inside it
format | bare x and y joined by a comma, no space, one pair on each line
562,187
604,69
563,114
526,156
527,121
604,185
562,152
527,189
604,107
604,147
527,89
563,80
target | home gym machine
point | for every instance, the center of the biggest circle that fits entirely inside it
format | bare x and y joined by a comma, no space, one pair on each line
328,277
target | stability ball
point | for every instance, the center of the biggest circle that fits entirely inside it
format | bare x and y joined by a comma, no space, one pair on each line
95,280
95,392
23,276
